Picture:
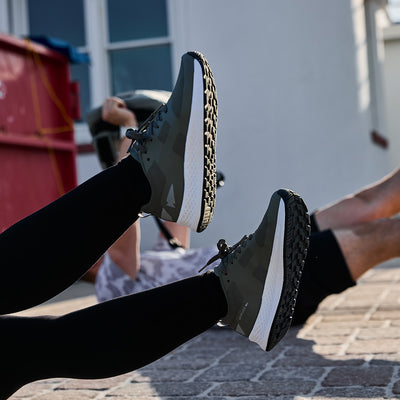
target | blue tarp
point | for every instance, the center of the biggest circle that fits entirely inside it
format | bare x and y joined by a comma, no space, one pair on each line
62,47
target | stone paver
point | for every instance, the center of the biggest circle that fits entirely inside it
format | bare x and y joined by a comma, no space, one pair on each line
349,349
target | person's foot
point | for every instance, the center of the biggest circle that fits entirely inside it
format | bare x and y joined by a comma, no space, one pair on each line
176,148
260,275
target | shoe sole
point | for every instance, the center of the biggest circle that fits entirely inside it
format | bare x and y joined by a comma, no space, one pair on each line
288,255
199,167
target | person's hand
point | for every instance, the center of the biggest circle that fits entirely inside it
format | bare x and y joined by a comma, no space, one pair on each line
115,112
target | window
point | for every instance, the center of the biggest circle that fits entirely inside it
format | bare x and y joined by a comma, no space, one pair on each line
128,43
141,68
63,20
132,20
139,50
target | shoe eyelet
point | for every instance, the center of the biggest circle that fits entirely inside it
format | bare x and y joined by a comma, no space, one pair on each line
148,159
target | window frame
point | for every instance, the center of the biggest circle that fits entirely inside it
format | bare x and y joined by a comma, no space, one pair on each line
98,46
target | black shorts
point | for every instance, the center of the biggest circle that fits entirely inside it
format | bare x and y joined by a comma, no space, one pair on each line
325,272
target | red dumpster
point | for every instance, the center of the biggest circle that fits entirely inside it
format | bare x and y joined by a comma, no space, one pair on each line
37,147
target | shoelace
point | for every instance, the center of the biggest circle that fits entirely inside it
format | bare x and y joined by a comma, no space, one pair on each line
145,131
224,250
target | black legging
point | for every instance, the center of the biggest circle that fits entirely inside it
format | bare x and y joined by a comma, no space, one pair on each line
49,250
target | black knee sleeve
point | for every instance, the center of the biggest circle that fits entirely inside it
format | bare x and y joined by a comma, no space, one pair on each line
325,272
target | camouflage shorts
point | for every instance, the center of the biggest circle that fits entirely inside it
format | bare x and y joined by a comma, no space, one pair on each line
158,267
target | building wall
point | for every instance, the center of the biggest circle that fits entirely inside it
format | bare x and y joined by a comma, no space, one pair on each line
299,95
392,91
294,102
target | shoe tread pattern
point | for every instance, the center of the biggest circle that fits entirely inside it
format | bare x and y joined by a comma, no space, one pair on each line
210,133
297,232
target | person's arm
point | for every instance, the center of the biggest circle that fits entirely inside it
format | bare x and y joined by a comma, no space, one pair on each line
125,252
180,232
115,112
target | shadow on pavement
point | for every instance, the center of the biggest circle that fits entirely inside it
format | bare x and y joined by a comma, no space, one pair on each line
221,363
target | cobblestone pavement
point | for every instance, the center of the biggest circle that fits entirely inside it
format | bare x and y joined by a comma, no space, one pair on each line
349,349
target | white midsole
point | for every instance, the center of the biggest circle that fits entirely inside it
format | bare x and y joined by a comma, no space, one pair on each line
272,286
194,155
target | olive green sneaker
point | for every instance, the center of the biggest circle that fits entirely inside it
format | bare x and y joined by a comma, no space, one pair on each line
260,275
176,147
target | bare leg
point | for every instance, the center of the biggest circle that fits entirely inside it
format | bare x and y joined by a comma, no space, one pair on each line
367,245
379,200
180,232
337,259
125,252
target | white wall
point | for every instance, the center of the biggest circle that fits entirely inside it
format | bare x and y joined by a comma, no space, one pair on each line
294,105
392,90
